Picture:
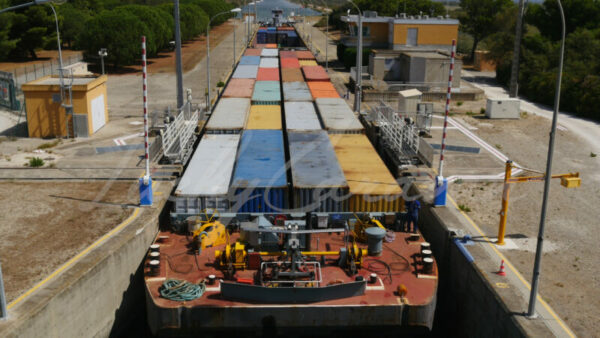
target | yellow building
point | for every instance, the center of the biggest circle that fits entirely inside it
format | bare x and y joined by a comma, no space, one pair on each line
47,118
403,31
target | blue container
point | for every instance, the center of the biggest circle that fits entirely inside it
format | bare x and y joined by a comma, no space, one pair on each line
260,181
441,187
272,37
261,37
271,29
250,60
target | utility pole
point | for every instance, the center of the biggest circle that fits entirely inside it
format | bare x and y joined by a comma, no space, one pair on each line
178,68
514,71
357,90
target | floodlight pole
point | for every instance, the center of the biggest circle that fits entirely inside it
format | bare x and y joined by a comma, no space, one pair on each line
540,241
178,62
357,90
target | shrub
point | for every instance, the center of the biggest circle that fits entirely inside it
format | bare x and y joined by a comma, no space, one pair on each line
36,162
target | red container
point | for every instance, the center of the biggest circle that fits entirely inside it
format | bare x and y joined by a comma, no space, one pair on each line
239,88
287,54
260,45
285,28
253,52
267,74
290,63
322,89
305,55
315,73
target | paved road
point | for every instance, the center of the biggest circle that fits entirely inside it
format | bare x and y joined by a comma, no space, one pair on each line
586,129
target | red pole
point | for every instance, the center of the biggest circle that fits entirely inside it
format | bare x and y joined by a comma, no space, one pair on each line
448,94
145,89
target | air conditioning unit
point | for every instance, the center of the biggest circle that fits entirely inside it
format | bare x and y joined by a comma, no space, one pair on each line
504,108
370,14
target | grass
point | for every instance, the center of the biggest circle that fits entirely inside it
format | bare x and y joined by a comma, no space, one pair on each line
49,145
464,208
221,84
482,111
593,154
523,114
459,103
498,146
470,113
36,162
458,181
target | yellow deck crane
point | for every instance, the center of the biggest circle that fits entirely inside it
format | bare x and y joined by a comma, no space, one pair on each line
570,180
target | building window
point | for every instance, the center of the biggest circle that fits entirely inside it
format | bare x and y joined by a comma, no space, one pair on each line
366,31
411,36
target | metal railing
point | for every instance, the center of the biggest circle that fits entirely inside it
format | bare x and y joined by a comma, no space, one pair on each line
35,71
401,138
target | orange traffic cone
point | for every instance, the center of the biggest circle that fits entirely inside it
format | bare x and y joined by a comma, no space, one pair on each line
501,272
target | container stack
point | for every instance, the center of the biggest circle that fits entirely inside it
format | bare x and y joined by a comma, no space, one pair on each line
266,92
337,117
264,117
239,88
372,186
301,116
259,181
205,183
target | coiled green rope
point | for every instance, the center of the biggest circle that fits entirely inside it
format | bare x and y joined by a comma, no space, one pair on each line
180,290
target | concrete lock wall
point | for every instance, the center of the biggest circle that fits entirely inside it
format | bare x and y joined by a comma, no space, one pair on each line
96,297
467,305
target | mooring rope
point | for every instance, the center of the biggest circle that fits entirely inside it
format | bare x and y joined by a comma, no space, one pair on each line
180,290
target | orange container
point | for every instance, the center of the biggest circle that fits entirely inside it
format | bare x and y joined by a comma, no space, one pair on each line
290,63
271,45
253,52
267,74
315,73
287,54
291,75
305,55
239,88
322,89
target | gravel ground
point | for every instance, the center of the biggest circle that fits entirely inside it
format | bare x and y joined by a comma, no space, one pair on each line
569,279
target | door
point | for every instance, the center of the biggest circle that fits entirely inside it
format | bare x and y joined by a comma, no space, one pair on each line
411,38
98,109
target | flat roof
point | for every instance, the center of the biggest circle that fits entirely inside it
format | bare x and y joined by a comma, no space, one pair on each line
414,21
427,55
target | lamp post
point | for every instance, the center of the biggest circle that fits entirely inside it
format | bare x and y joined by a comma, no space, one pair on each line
208,103
235,10
357,90
540,241
102,53
326,37
248,23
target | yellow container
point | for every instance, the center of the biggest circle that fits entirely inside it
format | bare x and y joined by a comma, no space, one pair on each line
264,117
372,186
308,63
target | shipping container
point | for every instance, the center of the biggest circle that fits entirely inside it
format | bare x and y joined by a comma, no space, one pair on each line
291,75
239,88
266,92
321,89
285,28
270,52
264,117
259,180
229,116
282,38
245,72
296,91
205,183
293,40
249,60
267,74
315,73
253,52
337,117
285,54
271,37
305,55
307,63
271,45
261,36
269,62
260,46
271,29
372,186
318,182
301,116
290,63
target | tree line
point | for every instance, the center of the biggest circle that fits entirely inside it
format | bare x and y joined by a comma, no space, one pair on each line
540,47
117,25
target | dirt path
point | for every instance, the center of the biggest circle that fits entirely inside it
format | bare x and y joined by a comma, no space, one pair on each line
61,220
43,56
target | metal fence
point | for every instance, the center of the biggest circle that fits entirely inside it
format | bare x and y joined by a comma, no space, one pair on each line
37,70
8,92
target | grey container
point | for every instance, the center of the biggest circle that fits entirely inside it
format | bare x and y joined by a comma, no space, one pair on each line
296,91
229,117
301,116
245,72
337,117
205,183
318,181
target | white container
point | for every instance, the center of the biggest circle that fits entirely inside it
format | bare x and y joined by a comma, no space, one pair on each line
269,63
229,116
270,52
205,183
301,116
245,72
338,117
504,108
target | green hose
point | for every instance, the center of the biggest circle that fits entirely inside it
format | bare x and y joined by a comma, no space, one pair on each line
180,290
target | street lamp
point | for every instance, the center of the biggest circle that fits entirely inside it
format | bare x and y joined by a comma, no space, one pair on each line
102,53
249,31
357,89
326,36
235,10
540,241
